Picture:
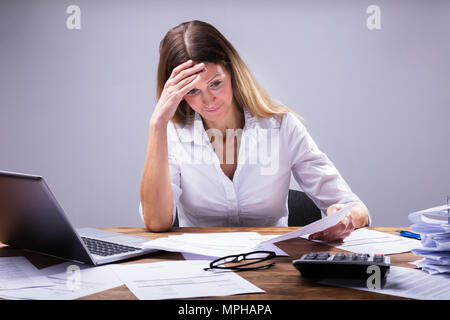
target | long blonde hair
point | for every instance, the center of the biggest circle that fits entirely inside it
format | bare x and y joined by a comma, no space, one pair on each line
200,41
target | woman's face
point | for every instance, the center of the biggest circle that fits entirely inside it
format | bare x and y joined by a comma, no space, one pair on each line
212,97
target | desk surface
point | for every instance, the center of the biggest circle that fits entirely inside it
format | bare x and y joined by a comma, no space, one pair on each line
281,282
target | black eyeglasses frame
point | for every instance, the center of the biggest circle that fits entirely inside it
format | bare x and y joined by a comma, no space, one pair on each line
241,257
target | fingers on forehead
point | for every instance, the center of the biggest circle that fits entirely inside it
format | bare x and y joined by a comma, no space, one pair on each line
181,66
187,69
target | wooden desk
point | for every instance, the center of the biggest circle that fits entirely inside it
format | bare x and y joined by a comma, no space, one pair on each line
281,282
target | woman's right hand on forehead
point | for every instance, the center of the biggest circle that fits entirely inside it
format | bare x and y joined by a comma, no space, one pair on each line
182,80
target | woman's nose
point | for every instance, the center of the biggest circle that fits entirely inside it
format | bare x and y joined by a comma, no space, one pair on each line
207,100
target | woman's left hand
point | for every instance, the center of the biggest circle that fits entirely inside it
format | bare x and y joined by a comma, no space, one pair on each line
339,231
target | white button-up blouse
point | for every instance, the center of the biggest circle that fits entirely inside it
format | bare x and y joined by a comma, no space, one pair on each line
270,149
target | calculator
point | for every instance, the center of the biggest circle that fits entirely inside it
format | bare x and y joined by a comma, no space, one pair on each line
341,265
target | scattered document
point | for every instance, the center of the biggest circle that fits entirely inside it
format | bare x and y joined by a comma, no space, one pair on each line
214,245
64,267
372,242
316,226
18,272
406,282
193,256
433,225
223,244
181,279
69,281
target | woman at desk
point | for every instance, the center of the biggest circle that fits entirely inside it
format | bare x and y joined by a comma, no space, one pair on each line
223,151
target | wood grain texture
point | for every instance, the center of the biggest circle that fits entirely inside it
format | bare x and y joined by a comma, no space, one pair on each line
281,282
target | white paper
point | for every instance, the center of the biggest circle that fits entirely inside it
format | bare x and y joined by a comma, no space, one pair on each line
316,226
372,242
436,242
67,285
181,279
434,227
61,268
438,209
193,256
436,269
18,272
214,245
436,257
406,282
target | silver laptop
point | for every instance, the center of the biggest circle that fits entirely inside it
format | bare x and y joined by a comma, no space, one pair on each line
32,219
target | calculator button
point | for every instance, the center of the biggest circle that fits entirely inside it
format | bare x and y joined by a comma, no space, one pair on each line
323,256
311,256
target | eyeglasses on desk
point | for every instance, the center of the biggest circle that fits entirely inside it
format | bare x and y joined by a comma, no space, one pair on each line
254,260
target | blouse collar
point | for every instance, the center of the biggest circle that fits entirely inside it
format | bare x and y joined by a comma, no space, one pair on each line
195,131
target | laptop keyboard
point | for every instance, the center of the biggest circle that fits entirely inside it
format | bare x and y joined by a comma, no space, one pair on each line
104,248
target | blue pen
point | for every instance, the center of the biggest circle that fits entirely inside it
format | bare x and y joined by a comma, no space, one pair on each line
409,234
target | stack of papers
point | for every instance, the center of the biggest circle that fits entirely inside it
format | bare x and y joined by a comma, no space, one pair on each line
433,225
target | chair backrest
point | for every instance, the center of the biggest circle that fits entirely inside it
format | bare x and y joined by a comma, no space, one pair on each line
302,210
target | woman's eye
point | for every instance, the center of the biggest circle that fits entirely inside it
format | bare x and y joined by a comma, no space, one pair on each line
192,92
215,84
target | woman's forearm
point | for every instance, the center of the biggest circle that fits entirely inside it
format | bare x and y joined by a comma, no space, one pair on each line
156,191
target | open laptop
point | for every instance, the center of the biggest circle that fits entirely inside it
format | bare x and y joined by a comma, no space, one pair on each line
32,219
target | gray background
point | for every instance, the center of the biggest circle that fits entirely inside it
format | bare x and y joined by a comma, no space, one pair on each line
75,104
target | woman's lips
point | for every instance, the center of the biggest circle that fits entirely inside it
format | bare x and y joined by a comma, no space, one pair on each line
213,110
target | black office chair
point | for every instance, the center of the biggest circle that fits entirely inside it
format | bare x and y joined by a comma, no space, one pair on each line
302,210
